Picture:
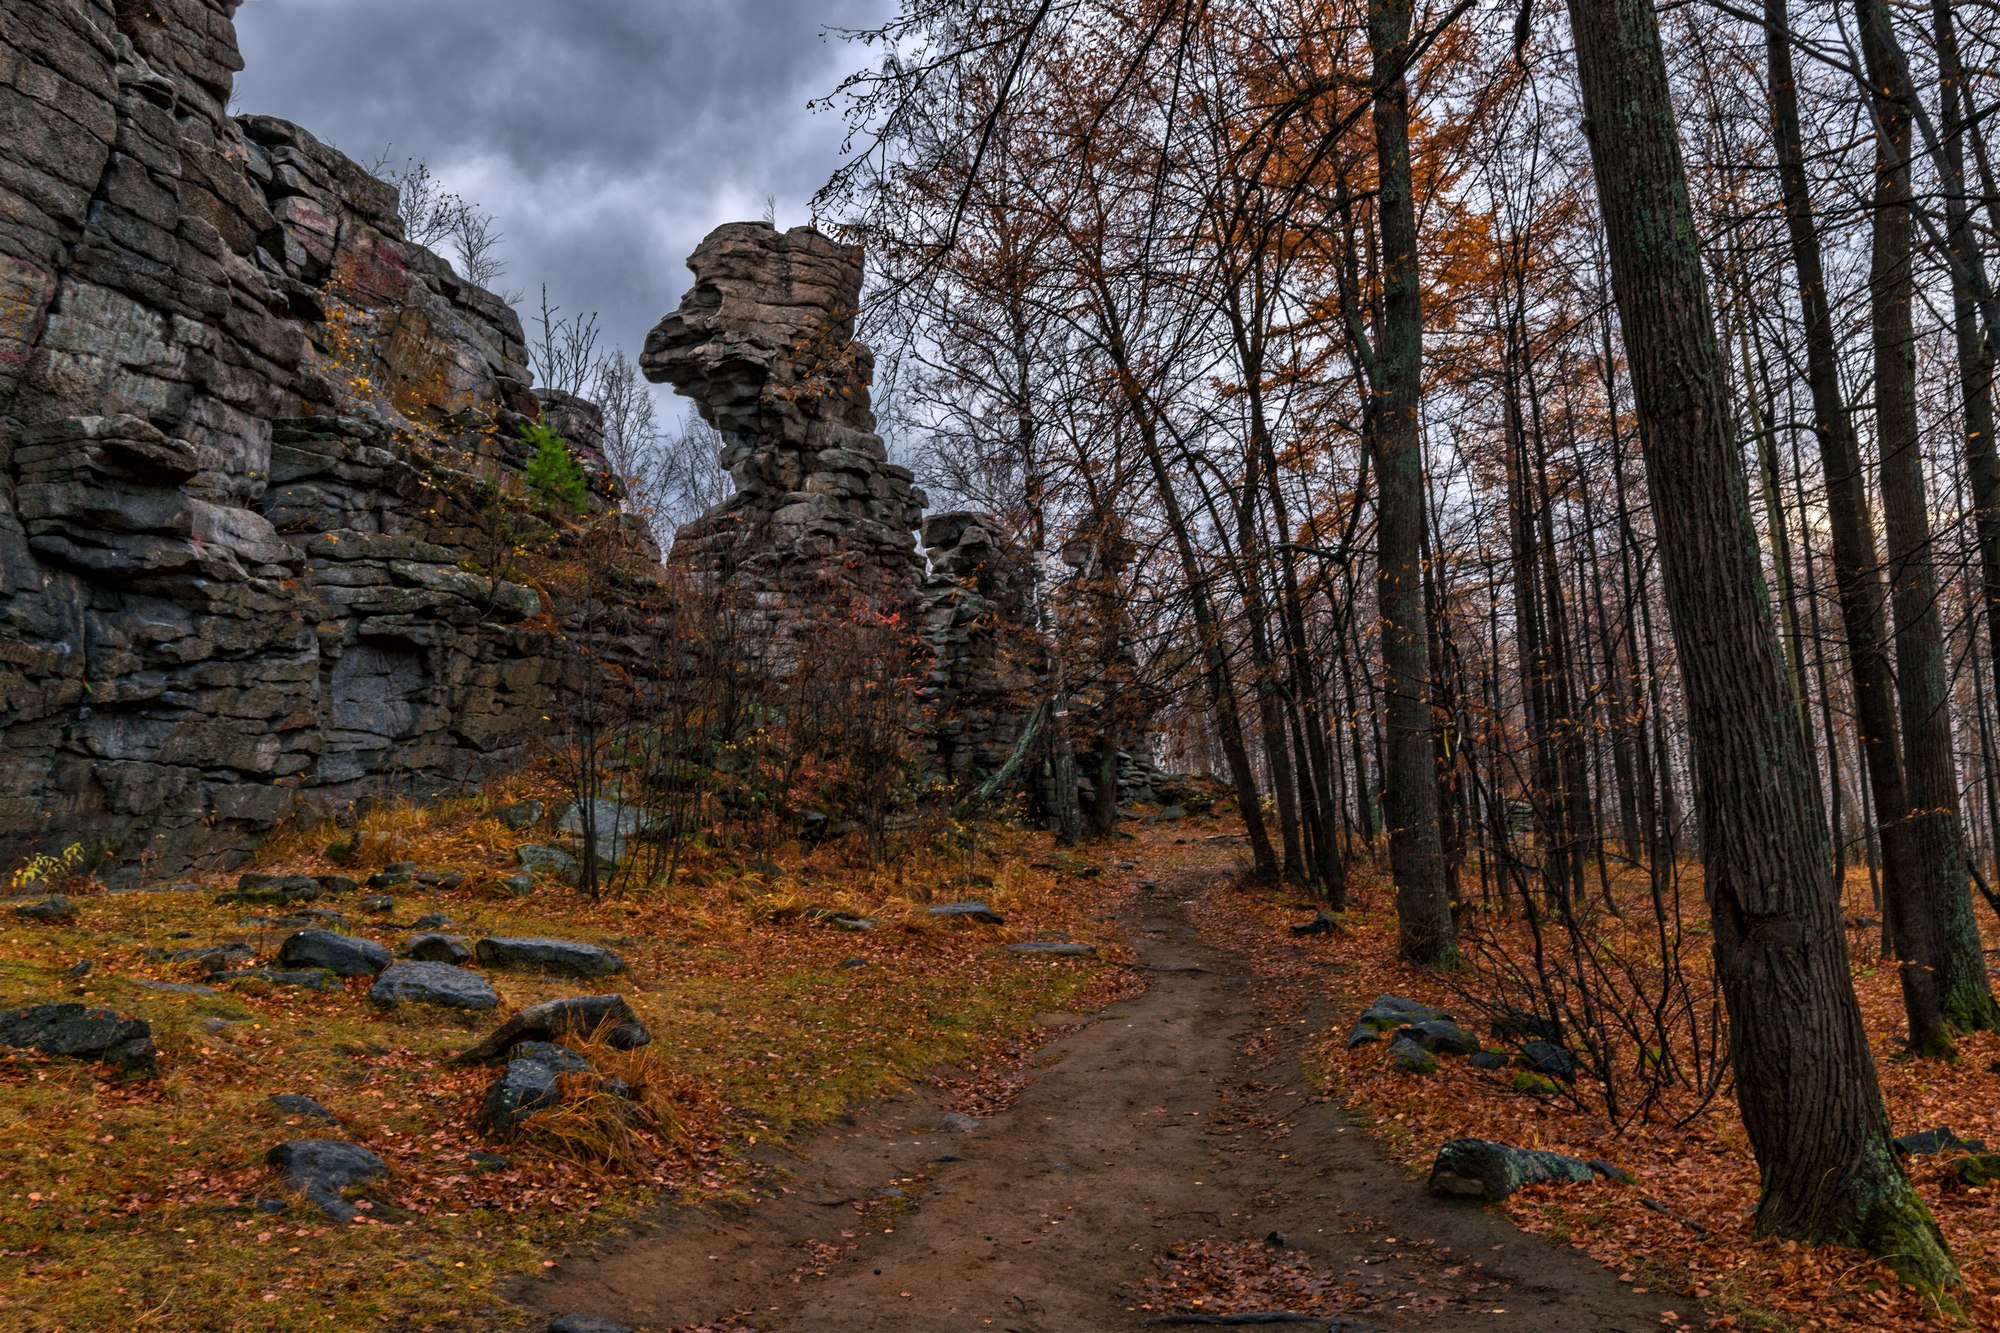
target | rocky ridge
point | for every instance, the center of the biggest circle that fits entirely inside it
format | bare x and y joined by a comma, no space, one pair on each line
251,439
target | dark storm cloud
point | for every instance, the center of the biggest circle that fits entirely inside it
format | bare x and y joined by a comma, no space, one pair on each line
607,136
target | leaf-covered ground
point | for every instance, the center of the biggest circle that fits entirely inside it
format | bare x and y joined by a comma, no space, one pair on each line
1701,1173
134,1204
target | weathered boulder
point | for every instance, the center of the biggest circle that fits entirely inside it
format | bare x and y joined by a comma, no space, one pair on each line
523,1088
519,815
342,955
273,890
549,860
584,1016
80,1033
566,958
451,949
1975,1169
324,1170
1930,1142
1440,1036
301,978
55,907
1547,1059
1387,1014
432,983
612,825
292,1103
978,912
1412,1058
1054,949
214,958
1495,1170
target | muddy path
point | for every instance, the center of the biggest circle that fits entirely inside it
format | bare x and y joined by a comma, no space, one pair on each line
1169,1128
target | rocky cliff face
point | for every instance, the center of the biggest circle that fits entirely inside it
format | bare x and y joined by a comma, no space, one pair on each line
251,443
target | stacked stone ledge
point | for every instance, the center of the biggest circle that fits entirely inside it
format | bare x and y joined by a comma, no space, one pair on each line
245,431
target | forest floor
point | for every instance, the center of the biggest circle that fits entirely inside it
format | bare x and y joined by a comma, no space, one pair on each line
145,1203
914,1127
1167,1160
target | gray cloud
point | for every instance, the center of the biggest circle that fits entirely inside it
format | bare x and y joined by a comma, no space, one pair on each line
606,136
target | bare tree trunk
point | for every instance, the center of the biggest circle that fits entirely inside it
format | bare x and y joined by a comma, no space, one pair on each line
1805,1077
1939,931
1855,562
1423,907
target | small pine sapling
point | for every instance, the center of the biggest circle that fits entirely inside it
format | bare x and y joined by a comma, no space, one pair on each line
553,473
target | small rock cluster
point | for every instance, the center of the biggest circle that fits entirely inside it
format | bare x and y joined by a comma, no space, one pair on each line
1418,1034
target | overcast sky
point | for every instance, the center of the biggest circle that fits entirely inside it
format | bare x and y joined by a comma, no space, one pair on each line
607,136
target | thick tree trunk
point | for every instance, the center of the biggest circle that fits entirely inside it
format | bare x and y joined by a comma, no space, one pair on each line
1805,1078
1939,930
1416,856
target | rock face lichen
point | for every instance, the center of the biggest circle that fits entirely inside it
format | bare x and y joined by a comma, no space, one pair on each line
248,439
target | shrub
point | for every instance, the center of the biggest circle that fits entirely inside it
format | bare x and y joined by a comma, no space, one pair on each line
553,473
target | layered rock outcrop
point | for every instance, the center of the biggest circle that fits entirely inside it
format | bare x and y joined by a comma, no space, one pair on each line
974,613
764,344
251,441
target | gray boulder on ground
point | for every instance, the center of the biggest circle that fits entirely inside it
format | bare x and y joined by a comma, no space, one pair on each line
432,983
614,826
292,1103
533,954
523,1088
519,815
55,907
1387,1014
438,949
1440,1036
1412,1058
538,859
281,890
325,1169
342,955
214,958
979,912
1930,1142
583,1016
1495,1170
1547,1059
1054,949
303,978
72,1031
553,1054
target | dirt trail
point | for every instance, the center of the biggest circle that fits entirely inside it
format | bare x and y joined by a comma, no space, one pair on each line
1176,1116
